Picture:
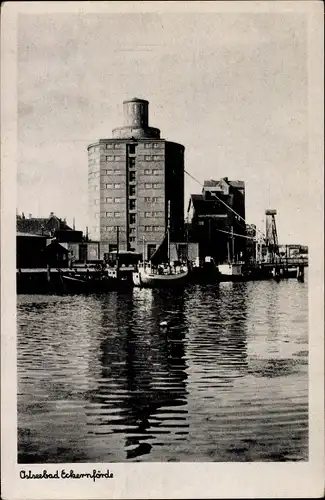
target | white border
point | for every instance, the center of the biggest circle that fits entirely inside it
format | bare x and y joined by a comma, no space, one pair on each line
168,480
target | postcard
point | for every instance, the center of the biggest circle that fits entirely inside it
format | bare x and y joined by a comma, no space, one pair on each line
162,250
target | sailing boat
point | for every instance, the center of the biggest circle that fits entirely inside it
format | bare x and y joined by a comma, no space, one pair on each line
164,274
232,270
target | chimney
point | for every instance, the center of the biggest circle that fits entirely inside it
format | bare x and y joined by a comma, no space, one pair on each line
51,214
29,216
22,215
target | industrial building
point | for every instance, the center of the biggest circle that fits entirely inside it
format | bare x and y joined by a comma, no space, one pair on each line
131,178
216,227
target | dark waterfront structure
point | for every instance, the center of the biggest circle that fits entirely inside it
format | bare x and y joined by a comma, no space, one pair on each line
251,243
131,178
211,221
42,241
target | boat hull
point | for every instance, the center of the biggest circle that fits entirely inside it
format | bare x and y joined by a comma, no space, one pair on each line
77,285
143,278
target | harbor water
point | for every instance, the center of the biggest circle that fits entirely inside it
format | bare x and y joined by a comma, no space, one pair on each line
100,380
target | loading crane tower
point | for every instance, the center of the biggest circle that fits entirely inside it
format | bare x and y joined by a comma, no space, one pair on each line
271,236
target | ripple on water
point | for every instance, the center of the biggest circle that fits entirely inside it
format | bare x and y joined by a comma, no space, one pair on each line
99,381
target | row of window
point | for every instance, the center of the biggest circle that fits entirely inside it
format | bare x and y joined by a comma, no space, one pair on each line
132,175
153,228
153,214
147,229
133,217
153,199
113,200
115,186
156,145
93,174
153,158
113,214
112,158
147,199
131,160
154,185
149,171
111,172
113,146
131,147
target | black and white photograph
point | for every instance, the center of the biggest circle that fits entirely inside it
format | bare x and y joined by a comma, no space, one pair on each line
164,256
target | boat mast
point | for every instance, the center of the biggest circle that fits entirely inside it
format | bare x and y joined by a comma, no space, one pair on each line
228,249
143,250
168,231
117,245
232,244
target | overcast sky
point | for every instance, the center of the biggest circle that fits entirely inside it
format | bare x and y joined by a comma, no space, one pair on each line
231,88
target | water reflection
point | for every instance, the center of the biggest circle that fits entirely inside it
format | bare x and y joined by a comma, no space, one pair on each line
99,379
145,366
218,340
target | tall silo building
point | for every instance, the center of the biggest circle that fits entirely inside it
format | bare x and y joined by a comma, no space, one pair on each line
131,178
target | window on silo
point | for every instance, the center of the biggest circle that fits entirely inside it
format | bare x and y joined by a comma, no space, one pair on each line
132,218
132,149
132,204
131,162
132,190
131,176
